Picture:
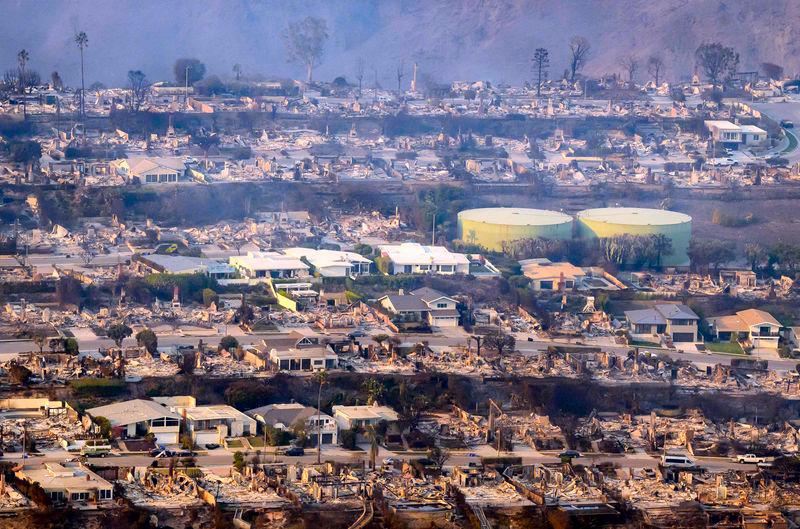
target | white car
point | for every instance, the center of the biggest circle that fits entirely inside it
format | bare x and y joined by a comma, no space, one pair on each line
722,162
751,459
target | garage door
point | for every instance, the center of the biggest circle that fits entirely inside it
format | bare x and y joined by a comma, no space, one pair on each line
327,438
683,337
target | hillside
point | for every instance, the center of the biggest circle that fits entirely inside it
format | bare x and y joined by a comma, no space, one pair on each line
450,39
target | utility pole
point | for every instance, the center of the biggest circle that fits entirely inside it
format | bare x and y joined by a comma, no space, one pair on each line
186,87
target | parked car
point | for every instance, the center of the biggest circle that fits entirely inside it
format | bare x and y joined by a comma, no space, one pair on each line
569,454
787,124
677,461
295,451
751,459
212,446
722,162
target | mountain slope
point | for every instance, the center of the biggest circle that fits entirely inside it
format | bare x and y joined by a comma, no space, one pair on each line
450,39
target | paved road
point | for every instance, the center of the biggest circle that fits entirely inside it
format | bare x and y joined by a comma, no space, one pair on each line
779,111
224,458
10,350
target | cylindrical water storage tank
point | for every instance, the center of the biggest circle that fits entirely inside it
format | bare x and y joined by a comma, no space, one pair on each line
608,222
490,227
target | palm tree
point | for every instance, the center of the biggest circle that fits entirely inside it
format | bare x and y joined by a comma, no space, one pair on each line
22,60
372,435
321,377
82,41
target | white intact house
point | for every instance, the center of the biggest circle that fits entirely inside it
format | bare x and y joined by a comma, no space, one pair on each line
178,264
287,415
137,418
151,170
71,483
757,328
332,263
414,258
210,424
732,136
263,265
349,417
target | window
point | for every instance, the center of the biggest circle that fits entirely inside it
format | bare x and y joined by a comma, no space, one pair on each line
105,494
79,496
546,285
441,305
284,364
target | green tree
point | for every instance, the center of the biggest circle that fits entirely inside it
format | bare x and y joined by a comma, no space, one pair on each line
147,338
118,332
374,389
104,425
238,461
71,346
229,343
209,297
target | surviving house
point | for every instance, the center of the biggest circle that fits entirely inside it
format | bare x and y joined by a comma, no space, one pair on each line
732,136
414,258
292,351
286,416
757,328
151,170
348,417
69,483
178,264
210,424
673,322
262,265
332,263
424,304
137,418
546,275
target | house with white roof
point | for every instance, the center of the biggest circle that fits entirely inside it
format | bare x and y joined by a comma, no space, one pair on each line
349,417
178,264
414,258
213,423
137,418
263,265
151,170
69,483
332,263
732,135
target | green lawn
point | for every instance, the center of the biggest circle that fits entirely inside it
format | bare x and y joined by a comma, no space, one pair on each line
641,343
731,348
256,442
792,142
